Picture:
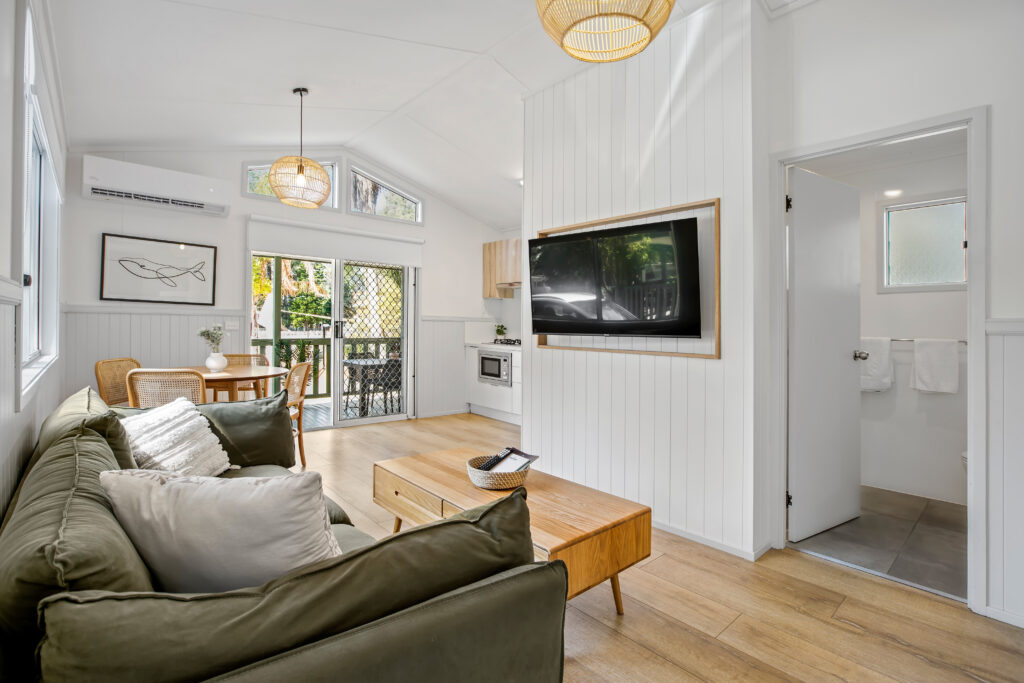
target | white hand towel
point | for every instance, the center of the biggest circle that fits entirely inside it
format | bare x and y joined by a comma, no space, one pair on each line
936,366
876,372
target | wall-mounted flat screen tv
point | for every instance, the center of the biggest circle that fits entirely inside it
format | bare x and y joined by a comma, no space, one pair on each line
639,280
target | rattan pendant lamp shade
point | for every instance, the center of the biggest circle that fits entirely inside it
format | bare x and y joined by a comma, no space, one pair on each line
603,30
296,180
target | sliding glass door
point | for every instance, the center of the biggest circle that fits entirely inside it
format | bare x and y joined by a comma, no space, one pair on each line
290,322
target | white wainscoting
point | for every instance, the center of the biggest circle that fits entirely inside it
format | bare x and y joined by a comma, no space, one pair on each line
669,126
164,339
1006,471
440,373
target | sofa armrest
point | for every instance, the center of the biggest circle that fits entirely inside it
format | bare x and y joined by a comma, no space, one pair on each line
509,626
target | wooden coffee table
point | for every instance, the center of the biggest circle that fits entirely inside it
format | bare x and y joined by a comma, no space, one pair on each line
596,534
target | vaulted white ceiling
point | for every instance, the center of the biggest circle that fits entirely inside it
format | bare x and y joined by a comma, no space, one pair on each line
431,89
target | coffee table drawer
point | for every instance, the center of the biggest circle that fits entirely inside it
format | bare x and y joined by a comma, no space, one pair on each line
404,499
447,509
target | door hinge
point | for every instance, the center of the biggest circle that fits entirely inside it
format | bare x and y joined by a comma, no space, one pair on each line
789,203
965,244
789,500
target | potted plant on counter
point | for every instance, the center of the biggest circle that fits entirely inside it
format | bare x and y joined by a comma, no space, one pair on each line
214,336
500,331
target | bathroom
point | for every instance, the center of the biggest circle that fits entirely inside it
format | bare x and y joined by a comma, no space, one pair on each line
911,525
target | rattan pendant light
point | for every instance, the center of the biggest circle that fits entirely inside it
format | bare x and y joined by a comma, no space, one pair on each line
603,30
299,181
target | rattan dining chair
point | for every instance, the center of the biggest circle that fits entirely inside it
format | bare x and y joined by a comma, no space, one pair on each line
254,359
295,384
111,377
151,388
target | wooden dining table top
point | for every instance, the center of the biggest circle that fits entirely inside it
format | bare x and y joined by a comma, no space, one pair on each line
239,373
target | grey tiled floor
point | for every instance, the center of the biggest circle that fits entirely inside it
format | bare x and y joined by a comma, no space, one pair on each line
918,540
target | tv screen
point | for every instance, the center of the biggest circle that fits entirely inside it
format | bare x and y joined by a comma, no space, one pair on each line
640,280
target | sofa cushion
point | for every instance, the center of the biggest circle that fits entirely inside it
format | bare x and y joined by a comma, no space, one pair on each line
205,534
228,630
334,511
257,432
175,437
350,538
82,408
62,536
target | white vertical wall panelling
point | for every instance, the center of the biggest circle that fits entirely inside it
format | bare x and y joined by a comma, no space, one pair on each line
440,368
996,477
1013,472
665,127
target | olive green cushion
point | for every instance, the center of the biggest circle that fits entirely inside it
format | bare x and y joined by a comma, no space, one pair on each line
257,432
99,635
334,511
62,536
84,407
350,538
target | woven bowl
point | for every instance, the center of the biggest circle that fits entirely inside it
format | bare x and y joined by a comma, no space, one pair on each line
495,481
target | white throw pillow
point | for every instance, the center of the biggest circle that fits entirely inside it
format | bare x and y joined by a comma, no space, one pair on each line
207,535
176,437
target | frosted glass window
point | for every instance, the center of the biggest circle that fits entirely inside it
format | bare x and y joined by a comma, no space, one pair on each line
925,244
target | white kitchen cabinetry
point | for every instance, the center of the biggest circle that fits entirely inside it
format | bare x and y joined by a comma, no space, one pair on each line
491,400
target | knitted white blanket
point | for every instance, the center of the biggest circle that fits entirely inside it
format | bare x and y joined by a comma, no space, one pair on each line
176,437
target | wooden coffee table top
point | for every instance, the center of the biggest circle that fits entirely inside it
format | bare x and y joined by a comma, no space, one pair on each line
562,512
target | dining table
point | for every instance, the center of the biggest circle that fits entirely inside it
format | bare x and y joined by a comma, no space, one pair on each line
361,368
233,376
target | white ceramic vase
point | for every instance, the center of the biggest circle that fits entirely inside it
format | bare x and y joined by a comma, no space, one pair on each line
216,361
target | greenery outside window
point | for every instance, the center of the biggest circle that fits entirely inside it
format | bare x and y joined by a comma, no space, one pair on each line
257,181
372,196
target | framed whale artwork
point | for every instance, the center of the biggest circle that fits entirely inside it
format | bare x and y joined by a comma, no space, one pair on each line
157,271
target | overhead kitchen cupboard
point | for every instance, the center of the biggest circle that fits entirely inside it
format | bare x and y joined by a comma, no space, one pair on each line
503,268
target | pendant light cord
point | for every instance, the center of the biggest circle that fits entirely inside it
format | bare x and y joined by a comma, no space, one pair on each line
301,96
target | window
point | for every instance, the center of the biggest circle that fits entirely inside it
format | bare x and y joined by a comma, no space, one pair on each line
371,196
31,282
257,181
925,245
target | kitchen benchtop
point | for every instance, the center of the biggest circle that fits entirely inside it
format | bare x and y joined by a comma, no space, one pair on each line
494,347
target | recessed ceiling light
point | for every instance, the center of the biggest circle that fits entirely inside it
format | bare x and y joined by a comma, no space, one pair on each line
893,193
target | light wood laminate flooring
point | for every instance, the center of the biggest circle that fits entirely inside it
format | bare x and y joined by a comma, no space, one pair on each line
696,613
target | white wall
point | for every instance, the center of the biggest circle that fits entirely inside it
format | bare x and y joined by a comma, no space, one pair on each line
671,125
843,68
449,285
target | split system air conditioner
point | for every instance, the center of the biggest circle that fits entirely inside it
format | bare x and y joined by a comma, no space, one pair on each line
121,181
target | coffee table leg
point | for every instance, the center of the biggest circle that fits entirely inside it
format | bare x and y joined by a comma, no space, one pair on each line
398,525
617,594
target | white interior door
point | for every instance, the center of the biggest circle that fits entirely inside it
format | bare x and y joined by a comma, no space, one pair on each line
824,332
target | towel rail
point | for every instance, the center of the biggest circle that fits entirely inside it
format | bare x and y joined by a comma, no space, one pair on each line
962,341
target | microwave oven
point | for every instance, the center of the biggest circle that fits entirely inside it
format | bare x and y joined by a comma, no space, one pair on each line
494,367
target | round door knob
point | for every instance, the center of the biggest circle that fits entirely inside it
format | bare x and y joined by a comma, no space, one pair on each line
860,355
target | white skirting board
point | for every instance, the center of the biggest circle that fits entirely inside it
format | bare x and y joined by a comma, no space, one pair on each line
511,418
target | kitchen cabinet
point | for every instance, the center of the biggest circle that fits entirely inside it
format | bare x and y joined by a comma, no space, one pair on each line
503,268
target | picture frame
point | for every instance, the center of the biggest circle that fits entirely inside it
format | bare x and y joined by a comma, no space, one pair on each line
143,269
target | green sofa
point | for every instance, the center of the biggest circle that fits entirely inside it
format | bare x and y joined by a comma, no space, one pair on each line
460,599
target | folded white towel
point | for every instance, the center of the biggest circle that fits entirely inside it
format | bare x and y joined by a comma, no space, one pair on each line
876,372
936,366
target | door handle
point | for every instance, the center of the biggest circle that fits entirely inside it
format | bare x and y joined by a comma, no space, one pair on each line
339,329
860,355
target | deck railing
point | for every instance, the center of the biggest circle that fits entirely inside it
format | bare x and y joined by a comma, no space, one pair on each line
318,352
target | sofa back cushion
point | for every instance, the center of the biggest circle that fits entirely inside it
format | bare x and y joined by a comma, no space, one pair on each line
257,432
62,536
221,632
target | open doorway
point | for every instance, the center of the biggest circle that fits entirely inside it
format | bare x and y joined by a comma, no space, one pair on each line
290,322
878,327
